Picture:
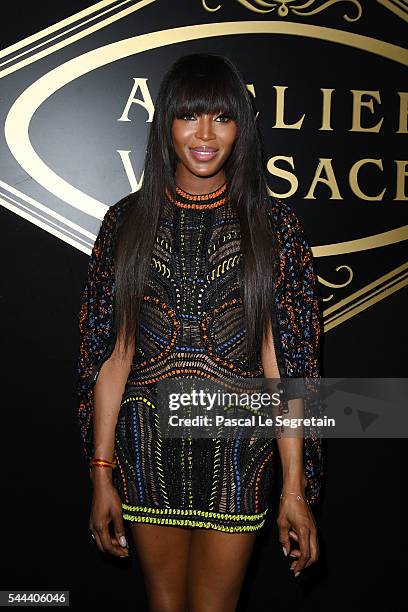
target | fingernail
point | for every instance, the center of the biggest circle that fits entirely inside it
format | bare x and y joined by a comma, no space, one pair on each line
122,541
284,551
297,573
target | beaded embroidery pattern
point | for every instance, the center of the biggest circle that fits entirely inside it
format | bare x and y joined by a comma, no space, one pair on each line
191,324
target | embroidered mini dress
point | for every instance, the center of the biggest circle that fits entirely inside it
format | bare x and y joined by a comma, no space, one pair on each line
191,325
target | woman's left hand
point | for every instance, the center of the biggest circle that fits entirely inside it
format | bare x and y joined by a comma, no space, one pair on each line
295,520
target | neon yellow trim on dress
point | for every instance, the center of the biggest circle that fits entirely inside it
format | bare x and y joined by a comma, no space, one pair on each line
204,513
186,522
160,516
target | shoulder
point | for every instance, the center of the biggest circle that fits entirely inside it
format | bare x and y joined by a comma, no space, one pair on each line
293,243
116,210
105,239
284,218
112,219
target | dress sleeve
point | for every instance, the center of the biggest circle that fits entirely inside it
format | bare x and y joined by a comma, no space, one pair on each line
96,334
301,329
306,301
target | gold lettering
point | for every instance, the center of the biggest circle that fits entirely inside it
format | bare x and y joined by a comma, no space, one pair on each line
284,174
329,180
146,102
280,111
326,109
403,116
130,173
353,179
358,104
402,173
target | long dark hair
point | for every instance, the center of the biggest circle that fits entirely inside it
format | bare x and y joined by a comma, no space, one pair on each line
200,83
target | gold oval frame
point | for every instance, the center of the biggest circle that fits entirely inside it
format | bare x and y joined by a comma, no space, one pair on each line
18,119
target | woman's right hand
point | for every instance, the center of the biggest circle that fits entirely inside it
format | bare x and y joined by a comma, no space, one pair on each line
106,507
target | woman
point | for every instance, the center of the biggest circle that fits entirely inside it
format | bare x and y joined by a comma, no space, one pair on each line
199,274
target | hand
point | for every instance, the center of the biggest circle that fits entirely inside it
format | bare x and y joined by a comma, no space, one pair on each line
106,507
296,520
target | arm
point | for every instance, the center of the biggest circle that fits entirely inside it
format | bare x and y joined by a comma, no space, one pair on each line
108,392
304,308
106,503
298,314
297,304
290,448
97,335
102,372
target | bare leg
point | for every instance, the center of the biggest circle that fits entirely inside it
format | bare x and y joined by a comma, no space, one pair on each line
163,552
217,566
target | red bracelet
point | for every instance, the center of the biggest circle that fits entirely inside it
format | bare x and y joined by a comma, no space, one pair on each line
98,462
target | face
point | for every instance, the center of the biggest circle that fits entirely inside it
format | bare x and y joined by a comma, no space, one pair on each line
203,143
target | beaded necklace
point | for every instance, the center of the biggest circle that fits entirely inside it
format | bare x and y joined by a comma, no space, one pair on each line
199,201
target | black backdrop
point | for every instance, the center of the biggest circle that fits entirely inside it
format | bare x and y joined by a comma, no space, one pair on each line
46,493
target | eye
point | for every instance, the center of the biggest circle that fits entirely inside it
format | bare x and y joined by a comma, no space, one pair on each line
188,117
223,118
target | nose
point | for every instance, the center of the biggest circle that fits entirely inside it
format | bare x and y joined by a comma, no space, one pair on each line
204,129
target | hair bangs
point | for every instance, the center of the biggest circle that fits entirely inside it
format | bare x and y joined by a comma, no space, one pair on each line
201,95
